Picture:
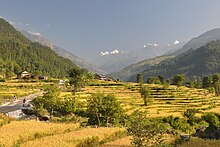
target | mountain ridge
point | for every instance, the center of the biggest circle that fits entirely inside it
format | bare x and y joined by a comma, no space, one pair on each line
145,66
62,52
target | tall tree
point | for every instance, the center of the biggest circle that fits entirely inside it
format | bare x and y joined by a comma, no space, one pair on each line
146,95
78,78
104,109
140,79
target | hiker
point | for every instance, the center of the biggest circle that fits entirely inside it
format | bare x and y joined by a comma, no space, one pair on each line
15,98
24,101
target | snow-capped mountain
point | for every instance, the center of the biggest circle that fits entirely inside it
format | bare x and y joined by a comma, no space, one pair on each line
112,61
114,52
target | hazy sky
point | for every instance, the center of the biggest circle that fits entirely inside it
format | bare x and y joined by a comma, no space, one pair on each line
87,27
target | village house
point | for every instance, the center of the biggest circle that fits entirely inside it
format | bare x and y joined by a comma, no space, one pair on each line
100,77
24,74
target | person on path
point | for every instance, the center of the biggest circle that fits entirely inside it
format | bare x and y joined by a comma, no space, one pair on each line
24,101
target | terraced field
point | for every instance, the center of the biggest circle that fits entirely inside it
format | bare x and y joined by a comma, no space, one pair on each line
19,88
165,101
35,133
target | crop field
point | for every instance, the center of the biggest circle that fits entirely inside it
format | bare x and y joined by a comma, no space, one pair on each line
164,101
35,133
167,101
19,88
19,132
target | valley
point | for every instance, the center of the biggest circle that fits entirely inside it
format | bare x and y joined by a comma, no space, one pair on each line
109,74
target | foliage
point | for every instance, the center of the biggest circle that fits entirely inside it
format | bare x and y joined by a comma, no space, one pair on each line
78,78
178,79
52,103
146,132
190,115
213,121
140,78
217,88
154,80
176,123
104,110
207,82
146,95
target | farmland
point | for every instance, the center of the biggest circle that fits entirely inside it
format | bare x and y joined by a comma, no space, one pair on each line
167,101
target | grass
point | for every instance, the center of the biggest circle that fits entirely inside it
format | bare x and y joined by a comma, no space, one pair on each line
72,138
18,132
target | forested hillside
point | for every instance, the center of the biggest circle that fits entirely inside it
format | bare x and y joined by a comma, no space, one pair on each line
17,54
202,61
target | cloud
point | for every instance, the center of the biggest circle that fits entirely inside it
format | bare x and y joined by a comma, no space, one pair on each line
176,42
48,25
34,33
27,24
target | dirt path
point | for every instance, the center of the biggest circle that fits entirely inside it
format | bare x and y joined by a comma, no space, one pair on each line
16,104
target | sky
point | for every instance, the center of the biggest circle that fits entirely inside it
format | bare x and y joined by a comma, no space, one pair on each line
87,27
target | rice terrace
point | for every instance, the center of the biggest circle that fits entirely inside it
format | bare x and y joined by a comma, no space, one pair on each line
111,73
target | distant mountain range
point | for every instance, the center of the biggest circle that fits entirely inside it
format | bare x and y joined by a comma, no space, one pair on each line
200,56
36,37
112,61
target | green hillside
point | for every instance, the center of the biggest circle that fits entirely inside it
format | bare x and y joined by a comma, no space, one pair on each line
136,68
203,61
17,54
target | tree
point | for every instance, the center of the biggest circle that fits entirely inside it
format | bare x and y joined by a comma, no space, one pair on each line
78,78
207,82
217,88
178,79
17,69
161,78
140,79
145,131
145,94
54,104
104,109
153,80
216,78
190,115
